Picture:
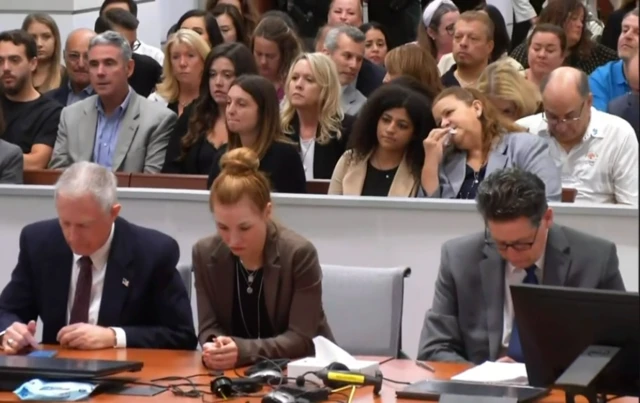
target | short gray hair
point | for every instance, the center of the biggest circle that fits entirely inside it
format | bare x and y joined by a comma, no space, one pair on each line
89,179
114,39
353,33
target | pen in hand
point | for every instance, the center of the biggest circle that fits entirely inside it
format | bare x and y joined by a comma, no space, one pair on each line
425,366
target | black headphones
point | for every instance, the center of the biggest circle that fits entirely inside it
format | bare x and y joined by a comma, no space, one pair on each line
225,387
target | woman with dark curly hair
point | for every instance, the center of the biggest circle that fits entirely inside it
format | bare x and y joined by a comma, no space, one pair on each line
384,155
201,129
583,53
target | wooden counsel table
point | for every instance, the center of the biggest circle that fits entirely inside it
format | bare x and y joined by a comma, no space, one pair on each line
165,363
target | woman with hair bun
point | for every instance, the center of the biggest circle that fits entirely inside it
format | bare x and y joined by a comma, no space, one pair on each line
258,284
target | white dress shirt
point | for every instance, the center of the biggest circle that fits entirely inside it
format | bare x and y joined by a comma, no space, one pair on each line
151,51
604,167
514,276
99,259
307,151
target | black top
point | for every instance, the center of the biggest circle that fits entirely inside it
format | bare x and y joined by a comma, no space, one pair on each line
198,159
146,74
325,156
33,122
281,163
471,182
250,316
173,107
370,77
448,79
377,182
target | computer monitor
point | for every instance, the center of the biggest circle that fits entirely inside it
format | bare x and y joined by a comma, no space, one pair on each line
584,341
15,370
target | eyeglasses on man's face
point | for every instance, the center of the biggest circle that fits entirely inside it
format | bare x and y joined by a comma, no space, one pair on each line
519,246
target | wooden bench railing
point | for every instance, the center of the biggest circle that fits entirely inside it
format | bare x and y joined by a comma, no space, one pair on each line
169,181
50,177
191,182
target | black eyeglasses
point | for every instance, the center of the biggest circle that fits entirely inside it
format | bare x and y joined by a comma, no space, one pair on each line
450,28
554,121
135,45
503,246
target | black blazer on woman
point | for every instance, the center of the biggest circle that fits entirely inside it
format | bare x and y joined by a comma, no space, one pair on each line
326,156
281,163
199,157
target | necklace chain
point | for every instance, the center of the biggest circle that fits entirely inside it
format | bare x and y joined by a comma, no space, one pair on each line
242,270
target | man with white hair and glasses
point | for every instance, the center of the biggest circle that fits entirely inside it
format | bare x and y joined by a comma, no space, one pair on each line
95,280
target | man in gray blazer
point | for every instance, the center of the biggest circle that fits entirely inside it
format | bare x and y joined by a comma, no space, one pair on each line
471,318
345,46
11,163
115,128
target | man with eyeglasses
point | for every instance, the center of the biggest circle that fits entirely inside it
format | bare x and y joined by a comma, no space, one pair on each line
471,318
75,86
598,152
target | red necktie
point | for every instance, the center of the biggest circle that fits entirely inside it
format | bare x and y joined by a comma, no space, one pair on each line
82,297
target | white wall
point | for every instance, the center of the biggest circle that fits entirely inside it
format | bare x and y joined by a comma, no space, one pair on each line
156,16
375,232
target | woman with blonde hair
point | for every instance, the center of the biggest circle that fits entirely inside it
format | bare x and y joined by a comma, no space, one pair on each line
509,92
49,72
184,56
258,284
472,141
312,116
413,61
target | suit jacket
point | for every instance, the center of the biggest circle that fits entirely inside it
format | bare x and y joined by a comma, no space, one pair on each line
466,317
349,175
369,78
292,281
142,141
523,150
326,156
11,163
281,163
352,100
626,107
153,308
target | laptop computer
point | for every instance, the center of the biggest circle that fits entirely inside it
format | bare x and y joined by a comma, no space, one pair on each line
15,370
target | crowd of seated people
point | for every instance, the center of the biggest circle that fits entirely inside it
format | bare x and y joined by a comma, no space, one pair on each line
468,86
463,108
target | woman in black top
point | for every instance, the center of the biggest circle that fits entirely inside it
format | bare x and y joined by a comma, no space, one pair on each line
312,116
201,129
583,53
253,121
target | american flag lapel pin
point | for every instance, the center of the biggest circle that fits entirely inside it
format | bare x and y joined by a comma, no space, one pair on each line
125,282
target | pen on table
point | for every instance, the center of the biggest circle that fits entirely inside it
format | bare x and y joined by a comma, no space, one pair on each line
425,366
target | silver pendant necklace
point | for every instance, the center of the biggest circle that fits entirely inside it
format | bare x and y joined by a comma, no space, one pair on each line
249,276
244,322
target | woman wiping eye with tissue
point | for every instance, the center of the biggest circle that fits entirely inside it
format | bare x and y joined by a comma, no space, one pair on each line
473,140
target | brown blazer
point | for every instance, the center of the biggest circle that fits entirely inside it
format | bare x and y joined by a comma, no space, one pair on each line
348,178
292,291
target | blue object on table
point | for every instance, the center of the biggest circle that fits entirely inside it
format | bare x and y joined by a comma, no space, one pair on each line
43,353
37,389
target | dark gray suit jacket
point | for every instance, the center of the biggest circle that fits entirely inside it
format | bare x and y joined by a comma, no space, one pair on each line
626,106
465,319
11,163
